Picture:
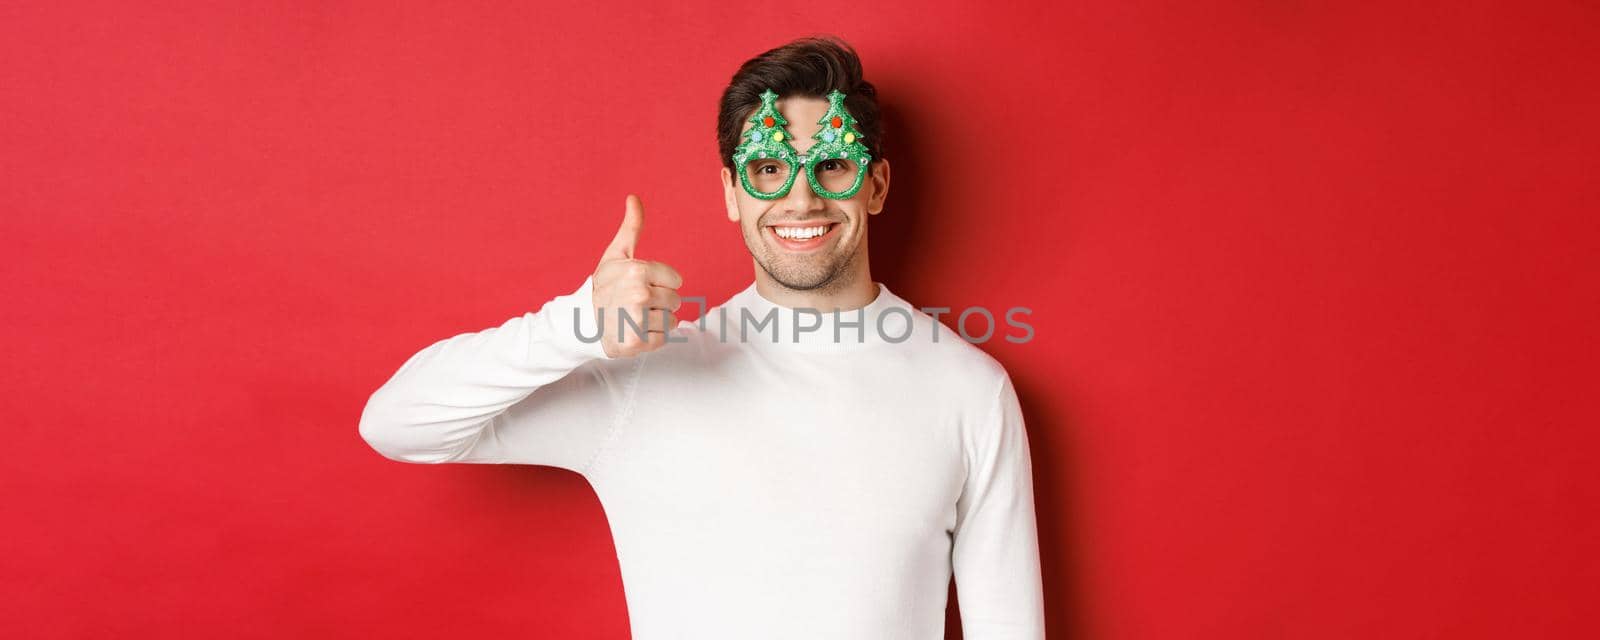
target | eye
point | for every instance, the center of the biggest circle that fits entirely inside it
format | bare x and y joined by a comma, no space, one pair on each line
829,165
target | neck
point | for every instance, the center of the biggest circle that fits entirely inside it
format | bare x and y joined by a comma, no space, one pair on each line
853,289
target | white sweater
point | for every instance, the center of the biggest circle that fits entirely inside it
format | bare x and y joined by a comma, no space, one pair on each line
808,488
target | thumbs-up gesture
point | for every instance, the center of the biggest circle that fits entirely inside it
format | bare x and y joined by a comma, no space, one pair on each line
644,291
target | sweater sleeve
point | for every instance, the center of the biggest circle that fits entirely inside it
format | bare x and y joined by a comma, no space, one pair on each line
995,549
529,391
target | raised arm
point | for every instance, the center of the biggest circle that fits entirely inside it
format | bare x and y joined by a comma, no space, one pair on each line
539,388
995,551
449,402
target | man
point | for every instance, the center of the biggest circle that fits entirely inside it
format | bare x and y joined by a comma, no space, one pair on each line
814,458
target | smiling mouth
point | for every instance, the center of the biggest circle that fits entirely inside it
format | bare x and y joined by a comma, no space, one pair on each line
801,239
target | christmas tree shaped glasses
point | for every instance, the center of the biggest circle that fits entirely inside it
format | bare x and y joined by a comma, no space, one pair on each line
835,165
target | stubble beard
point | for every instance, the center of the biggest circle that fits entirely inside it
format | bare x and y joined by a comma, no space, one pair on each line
817,271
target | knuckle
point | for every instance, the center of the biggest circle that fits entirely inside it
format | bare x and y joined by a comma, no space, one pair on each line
626,319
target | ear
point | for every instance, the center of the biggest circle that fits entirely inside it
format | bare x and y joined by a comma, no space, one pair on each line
729,196
878,177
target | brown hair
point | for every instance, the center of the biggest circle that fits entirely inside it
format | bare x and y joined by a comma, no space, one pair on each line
810,66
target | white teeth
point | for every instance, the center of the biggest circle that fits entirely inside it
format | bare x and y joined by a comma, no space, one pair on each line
805,233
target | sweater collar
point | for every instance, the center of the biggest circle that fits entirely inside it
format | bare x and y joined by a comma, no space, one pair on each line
886,319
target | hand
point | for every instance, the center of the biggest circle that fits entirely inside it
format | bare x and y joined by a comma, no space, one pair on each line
645,290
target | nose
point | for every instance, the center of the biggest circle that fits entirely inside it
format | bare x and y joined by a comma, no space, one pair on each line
801,198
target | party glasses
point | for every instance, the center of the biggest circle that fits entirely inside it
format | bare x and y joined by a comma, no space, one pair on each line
835,165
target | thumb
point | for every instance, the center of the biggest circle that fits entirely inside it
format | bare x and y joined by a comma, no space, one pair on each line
627,239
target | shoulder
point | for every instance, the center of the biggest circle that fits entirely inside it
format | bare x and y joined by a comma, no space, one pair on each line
953,366
940,341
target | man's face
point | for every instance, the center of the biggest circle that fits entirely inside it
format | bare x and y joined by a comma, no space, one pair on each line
804,264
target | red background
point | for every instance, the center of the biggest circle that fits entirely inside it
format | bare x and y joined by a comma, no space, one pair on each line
1314,287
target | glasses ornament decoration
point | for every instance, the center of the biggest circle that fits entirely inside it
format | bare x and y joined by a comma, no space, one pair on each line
769,164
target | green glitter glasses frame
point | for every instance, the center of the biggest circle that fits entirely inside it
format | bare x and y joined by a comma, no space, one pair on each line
768,164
